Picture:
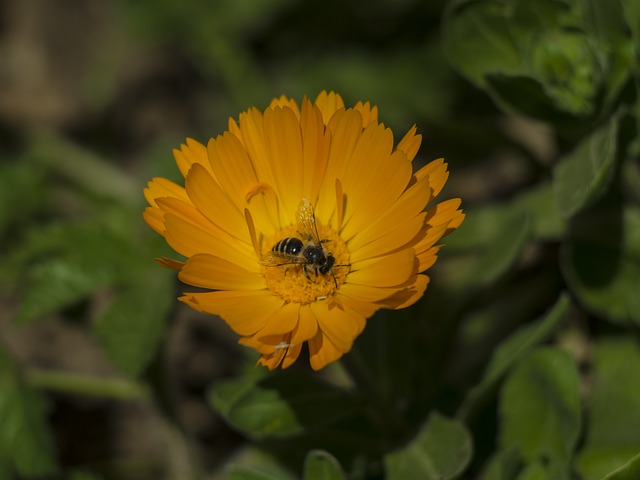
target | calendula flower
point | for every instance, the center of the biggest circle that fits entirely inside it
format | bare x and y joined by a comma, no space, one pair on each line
302,221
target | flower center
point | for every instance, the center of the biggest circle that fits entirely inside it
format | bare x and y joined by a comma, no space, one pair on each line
302,271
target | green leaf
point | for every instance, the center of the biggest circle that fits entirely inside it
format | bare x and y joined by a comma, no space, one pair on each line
540,406
22,194
629,471
504,465
494,238
64,263
321,465
538,203
513,349
503,253
134,323
252,463
280,405
601,263
544,470
24,435
441,450
613,415
238,472
584,174
608,29
477,39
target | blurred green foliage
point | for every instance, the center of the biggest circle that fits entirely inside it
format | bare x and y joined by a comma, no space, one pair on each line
520,362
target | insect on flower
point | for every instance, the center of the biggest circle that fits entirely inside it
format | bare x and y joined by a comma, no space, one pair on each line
310,253
286,273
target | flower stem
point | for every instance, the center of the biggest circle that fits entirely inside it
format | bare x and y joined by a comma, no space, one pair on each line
65,382
386,418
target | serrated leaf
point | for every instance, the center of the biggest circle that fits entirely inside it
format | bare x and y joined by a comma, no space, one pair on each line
64,263
513,349
24,436
280,405
613,415
601,263
321,465
584,174
133,325
441,450
539,407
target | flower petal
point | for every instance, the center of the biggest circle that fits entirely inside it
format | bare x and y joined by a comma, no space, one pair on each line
306,328
209,271
388,271
329,104
282,321
161,187
393,239
208,197
284,143
410,144
407,296
237,308
340,326
192,152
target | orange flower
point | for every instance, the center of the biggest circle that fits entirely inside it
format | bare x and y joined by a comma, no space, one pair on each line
327,177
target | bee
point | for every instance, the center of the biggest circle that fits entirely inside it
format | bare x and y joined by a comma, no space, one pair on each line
310,252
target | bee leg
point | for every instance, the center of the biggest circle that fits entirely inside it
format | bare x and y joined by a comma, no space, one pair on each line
306,273
334,279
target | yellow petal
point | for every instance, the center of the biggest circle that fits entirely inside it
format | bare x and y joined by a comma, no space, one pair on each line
315,150
341,327
329,104
363,247
183,209
292,354
306,328
365,293
170,263
189,239
410,144
282,321
407,296
252,136
345,130
388,271
209,271
369,114
192,152
322,351
232,167
407,207
437,173
284,147
154,218
161,187
237,308
209,198
283,101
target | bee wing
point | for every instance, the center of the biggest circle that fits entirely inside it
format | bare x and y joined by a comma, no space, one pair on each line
307,219
276,259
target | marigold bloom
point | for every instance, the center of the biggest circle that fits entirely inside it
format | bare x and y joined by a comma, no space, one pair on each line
241,197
